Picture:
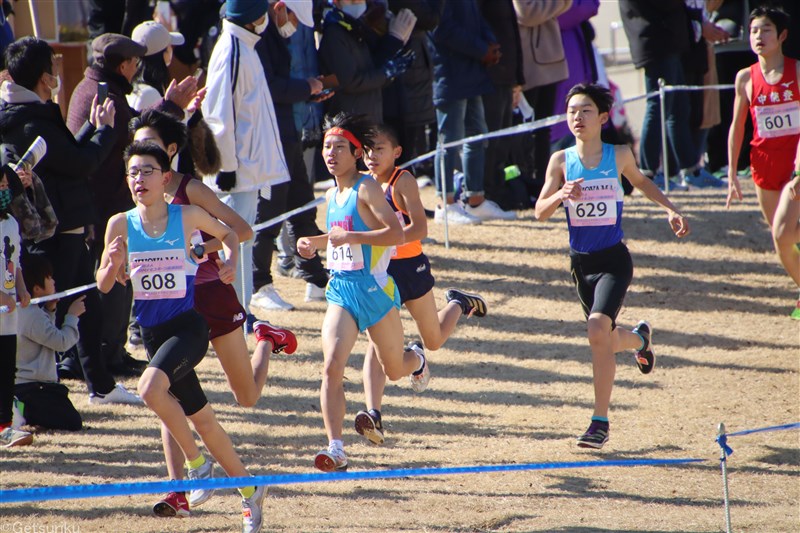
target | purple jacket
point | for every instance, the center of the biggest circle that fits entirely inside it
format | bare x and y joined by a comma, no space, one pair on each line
577,52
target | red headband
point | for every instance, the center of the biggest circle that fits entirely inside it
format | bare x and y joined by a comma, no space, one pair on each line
346,134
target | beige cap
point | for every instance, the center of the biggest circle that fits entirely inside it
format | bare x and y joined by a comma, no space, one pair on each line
155,37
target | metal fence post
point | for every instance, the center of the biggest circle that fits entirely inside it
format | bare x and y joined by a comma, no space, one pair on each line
662,93
442,153
723,463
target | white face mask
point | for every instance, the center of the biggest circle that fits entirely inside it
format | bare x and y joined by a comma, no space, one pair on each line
287,30
259,29
355,10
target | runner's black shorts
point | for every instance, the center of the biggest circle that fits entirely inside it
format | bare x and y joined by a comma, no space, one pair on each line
602,279
176,347
412,276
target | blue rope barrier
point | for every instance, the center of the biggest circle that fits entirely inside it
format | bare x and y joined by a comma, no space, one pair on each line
722,439
126,489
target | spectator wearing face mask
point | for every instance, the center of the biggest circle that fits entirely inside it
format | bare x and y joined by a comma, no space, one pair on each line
240,111
362,61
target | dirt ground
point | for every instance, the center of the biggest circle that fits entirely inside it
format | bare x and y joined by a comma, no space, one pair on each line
513,387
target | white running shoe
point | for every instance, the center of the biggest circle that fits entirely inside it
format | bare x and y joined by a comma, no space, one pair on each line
268,298
314,293
198,497
252,515
455,215
419,382
119,394
11,437
331,459
488,210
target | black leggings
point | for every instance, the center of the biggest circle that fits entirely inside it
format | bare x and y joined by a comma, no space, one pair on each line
602,279
8,371
176,347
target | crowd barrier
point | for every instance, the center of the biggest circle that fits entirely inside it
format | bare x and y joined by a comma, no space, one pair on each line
69,492
441,147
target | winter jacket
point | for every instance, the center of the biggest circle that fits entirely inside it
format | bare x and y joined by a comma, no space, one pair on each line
356,55
459,43
579,54
307,115
410,98
69,160
107,181
542,52
655,28
501,18
277,62
239,110
38,341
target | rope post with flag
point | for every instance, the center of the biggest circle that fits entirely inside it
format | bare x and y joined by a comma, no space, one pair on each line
725,451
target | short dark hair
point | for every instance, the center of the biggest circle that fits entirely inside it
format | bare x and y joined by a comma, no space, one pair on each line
362,128
776,15
35,269
600,95
170,129
389,132
27,59
147,148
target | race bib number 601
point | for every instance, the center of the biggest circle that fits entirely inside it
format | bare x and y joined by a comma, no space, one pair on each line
778,120
158,275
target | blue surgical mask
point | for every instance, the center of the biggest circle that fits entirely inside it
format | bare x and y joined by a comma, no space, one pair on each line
355,10
5,199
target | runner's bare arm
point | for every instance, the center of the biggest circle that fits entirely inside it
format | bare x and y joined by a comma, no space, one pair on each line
114,253
549,199
408,192
628,167
389,232
201,195
197,217
741,106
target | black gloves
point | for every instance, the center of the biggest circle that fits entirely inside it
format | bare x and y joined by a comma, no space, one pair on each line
226,180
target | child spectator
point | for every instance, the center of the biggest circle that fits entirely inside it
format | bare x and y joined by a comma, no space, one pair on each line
41,399
11,289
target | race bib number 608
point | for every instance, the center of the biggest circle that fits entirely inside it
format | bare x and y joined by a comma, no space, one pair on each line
158,275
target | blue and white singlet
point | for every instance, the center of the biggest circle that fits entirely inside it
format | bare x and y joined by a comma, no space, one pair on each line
162,274
355,260
595,220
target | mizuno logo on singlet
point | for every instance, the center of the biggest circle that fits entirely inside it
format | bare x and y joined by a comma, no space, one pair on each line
787,84
606,172
172,242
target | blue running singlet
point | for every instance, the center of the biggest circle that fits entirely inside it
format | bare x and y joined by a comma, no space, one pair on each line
595,220
355,260
162,274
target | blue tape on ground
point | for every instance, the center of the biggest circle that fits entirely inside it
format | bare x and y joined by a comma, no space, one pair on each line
762,430
153,487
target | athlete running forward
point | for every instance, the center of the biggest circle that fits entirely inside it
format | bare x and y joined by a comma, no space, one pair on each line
152,240
586,179
411,271
362,232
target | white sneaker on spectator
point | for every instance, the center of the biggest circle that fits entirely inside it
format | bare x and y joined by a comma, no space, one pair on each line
488,210
314,293
268,298
455,215
119,394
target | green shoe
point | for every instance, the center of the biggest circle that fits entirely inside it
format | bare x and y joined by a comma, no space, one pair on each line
796,313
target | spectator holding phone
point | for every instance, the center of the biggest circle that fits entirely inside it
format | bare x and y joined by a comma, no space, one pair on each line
26,112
